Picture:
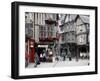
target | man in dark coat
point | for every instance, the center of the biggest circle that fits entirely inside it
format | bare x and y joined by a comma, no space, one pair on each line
36,60
64,55
69,55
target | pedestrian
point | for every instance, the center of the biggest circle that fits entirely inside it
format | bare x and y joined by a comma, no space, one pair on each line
36,60
41,57
26,59
50,52
64,55
57,58
50,55
69,55
44,57
47,53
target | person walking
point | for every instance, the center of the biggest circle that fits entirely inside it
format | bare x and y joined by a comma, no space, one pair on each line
64,55
26,59
36,60
69,55
44,57
41,57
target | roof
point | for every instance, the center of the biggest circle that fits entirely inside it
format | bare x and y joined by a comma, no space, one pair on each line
84,18
72,17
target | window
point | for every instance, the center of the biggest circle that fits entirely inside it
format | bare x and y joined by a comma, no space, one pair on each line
73,33
44,34
41,28
41,33
81,30
68,39
51,33
63,37
62,28
29,25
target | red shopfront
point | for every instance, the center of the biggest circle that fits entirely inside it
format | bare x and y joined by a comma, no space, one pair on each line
30,50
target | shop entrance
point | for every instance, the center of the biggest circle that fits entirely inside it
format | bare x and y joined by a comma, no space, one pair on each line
40,50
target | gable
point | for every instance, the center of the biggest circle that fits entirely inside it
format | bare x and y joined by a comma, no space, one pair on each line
79,21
